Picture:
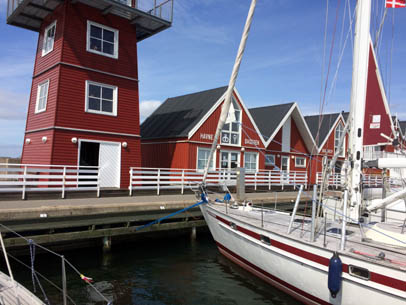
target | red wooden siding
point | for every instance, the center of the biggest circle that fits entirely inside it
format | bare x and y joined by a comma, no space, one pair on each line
72,96
155,153
47,118
375,106
38,152
52,58
74,45
66,153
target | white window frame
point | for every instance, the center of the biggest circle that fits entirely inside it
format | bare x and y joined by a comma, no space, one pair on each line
229,131
37,109
256,161
44,42
337,139
270,163
300,158
229,152
213,167
115,95
103,27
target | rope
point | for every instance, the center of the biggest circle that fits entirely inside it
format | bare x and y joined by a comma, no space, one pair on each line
226,106
34,276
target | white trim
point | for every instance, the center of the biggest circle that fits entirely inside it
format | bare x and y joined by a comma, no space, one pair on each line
80,140
44,41
312,145
115,98
274,160
103,27
197,158
213,109
38,96
250,117
302,166
229,159
285,157
333,127
84,130
281,123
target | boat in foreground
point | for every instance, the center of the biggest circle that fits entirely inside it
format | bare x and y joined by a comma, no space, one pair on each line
336,255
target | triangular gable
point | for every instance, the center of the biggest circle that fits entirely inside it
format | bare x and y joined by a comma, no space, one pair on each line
340,118
304,131
377,114
216,107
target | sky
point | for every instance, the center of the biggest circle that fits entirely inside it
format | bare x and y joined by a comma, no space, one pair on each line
287,58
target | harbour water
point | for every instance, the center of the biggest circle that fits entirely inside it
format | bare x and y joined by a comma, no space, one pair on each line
170,271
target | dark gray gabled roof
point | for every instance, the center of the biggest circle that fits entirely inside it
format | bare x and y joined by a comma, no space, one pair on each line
403,127
178,115
268,118
327,122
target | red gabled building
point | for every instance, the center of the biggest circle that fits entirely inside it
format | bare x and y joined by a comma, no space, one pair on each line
180,132
84,101
288,141
327,129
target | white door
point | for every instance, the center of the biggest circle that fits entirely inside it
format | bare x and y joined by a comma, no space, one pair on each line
109,163
285,168
229,161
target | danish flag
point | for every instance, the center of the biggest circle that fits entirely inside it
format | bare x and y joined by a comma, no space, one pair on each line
395,3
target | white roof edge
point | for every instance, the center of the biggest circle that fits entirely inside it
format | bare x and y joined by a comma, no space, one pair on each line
309,134
206,116
330,131
250,117
280,125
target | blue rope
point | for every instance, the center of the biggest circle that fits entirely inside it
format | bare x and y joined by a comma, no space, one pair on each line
204,200
34,275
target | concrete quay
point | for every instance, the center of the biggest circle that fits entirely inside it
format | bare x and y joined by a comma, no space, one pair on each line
82,222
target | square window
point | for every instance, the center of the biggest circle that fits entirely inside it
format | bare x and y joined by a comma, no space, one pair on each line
270,160
42,97
300,162
102,40
202,157
49,38
101,98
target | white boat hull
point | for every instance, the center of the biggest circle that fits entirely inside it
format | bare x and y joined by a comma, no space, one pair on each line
300,268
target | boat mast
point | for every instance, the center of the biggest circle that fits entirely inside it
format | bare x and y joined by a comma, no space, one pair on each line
358,99
229,93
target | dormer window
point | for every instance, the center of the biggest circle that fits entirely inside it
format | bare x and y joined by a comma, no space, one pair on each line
102,40
49,38
231,132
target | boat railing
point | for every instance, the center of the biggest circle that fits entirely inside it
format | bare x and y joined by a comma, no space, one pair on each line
142,178
28,248
24,178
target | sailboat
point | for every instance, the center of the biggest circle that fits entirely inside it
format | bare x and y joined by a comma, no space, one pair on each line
319,259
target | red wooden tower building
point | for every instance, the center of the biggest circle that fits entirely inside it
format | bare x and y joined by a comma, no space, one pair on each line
84,101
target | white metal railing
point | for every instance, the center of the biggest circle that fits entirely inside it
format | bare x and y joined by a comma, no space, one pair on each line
158,179
23,178
369,180
162,9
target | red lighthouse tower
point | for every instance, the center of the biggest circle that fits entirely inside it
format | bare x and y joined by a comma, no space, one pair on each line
84,101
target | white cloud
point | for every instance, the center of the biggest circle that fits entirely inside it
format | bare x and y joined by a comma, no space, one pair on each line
13,106
147,108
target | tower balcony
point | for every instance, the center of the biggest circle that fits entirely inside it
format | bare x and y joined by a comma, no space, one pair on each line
149,16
